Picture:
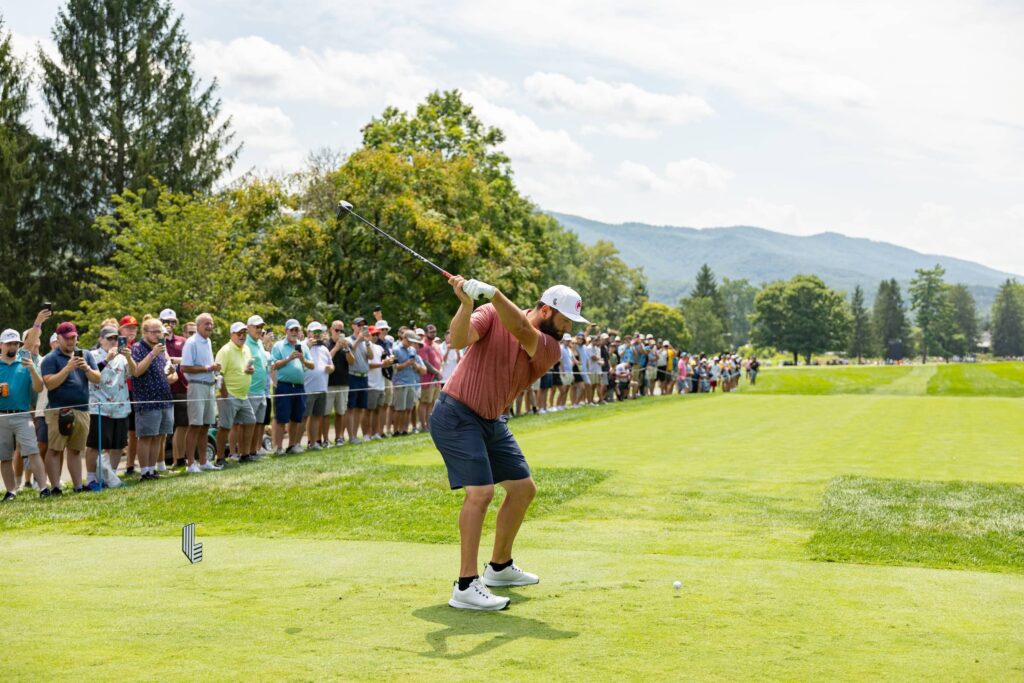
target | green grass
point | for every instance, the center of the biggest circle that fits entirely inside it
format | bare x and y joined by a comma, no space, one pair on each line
338,564
955,379
958,524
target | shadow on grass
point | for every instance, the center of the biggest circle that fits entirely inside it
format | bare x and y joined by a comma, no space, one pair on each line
506,627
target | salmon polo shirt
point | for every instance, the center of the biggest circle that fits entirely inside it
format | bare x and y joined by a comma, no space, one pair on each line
496,368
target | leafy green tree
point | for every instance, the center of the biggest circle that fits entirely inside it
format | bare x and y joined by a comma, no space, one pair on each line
661,320
738,300
1008,320
17,179
610,289
705,325
964,318
860,325
934,318
802,316
889,321
160,259
125,106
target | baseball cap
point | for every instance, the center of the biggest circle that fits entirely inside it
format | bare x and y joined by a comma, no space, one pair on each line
566,337
373,329
53,337
359,320
237,327
168,314
580,334
65,329
107,332
377,307
255,320
383,325
604,335
412,337
314,327
8,336
292,323
129,321
566,301
665,343
419,331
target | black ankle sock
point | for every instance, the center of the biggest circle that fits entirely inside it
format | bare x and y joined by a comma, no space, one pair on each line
499,566
464,581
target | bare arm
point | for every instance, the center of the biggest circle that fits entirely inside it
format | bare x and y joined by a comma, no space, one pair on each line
515,321
463,333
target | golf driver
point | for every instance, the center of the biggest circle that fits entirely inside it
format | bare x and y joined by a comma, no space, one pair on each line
346,206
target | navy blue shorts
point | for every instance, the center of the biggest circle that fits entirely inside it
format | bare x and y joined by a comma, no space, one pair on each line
357,391
547,380
477,452
289,402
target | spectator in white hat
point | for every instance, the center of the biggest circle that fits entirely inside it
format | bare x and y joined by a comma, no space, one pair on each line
289,359
236,418
315,382
198,365
259,388
337,382
175,343
109,406
19,378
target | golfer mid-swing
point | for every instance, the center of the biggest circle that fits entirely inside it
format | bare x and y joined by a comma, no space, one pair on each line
509,349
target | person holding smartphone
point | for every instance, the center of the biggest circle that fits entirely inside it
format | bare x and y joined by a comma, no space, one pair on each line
289,359
18,380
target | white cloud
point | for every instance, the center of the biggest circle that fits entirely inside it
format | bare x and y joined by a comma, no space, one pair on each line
620,101
642,177
688,175
270,143
255,67
525,141
626,131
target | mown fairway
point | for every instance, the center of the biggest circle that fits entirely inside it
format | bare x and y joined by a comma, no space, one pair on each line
831,523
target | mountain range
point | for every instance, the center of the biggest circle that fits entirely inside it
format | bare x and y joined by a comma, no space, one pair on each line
671,257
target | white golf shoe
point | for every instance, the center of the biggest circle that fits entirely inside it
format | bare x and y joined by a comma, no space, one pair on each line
509,576
477,597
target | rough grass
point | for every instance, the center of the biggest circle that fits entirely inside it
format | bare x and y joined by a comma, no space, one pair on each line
958,524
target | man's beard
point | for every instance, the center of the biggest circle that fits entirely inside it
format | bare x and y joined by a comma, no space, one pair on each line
547,326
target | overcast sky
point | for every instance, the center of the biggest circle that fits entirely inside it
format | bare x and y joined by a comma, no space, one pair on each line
901,122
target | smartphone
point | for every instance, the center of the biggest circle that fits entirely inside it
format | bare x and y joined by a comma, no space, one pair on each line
122,343
23,354
47,306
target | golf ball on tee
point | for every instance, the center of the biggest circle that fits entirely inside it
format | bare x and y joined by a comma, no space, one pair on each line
677,585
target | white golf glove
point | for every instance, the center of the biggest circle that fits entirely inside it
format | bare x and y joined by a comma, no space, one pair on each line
475,289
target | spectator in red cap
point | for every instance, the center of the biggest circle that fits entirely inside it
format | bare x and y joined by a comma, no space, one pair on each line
179,390
128,327
67,372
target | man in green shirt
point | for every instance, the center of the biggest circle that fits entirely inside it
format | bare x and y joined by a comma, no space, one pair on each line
236,418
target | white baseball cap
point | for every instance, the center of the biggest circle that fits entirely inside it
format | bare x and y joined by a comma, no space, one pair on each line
566,337
382,325
168,314
255,320
292,323
314,327
566,301
237,327
8,336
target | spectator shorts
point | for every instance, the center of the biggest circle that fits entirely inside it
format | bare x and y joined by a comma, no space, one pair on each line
374,399
234,411
112,430
42,434
180,410
316,404
289,402
547,380
430,391
389,392
202,405
17,428
635,373
596,377
664,375
357,387
158,422
337,400
651,371
566,378
476,452
79,431
405,397
259,408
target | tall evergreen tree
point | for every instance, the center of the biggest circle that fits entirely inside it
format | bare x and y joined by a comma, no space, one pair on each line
1008,320
738,297
929,301
125,105
889,321
964,317
860,327
18,151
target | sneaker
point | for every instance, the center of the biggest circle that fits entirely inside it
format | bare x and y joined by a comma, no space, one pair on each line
146,476
130,470
81,489
295,450
509,576
193,469
245,458
161,466
210,467
255,457
279,452
313,446
543,411
339,442
44,493
94,486
56,491
221,464
234,457
155,475
477,597
355,439
10,495
181,462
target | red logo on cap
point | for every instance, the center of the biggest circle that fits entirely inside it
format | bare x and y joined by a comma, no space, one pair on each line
579,305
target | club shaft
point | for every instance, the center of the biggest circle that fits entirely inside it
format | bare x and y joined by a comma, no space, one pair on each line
403,246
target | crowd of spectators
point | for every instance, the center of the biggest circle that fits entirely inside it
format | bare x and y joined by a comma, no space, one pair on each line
155,399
